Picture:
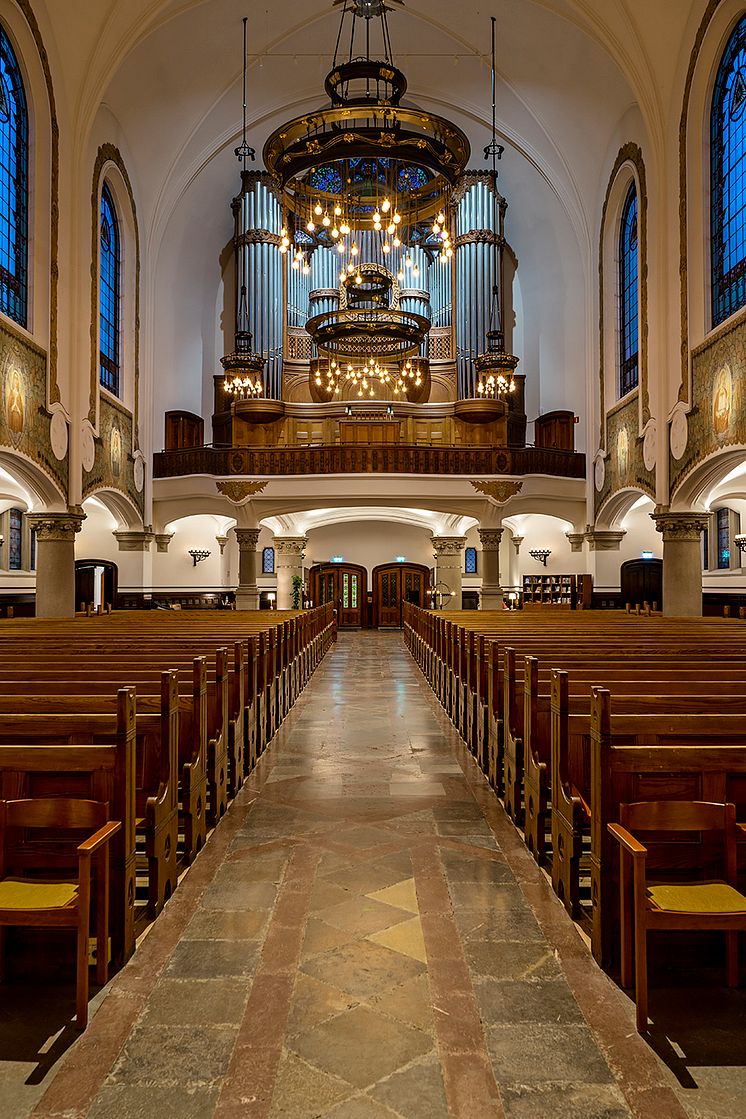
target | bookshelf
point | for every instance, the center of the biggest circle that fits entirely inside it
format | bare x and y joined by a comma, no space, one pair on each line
558,590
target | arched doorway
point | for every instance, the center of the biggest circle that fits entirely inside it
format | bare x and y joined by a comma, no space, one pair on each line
345,585
96,581
395,583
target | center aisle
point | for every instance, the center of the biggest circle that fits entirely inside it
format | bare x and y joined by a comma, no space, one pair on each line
354,943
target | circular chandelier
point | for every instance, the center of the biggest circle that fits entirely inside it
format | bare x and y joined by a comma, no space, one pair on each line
367,379
365,161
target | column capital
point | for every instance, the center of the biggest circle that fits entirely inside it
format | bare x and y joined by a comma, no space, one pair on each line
576,541
448,545
247,537
604,539
57,526
162,540
490,538
516,542
680,526
291,545
135,541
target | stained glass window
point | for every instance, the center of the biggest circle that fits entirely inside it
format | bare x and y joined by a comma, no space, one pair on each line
268,561
728,179
628,295
345,591
109,294
723,531
13,187
353,585
705,549
470,561
15,540
32,562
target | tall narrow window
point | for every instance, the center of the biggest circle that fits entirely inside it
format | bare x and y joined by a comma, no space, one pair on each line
470,561
109,293
723,531
15,540
628,296
728,175
13,187
268,561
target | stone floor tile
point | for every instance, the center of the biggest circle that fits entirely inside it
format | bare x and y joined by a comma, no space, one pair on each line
416,1092
227,924
314,1002
361,1107
213,959
410,1002
406,938
363,969
510,959
403,895
363,915
303,1091
193,1002
585,1101
540,1000
131,1101
320,937
167,1055
362,1046
538,1053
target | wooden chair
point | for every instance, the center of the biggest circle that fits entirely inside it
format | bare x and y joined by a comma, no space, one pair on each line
654,903
59,899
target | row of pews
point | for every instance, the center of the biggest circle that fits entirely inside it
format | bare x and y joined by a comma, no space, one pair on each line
570,717
160,716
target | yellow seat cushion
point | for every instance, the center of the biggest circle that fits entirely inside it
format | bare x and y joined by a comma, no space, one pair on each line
698,897
28,893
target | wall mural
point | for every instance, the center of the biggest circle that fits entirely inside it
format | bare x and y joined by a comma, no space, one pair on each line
718,419
624,464
115,466
24,419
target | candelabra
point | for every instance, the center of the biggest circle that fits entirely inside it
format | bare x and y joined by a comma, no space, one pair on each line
540,554
198,554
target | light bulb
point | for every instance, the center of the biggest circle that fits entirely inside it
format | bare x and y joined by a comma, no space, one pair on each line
386,247
353,250
443,258
416,270
340,247
397,218
283,231
436,227
337,210
377,218
449,251
344,229
350,268
306,269
310,227
441,217
296,263
326,221
335,233
397,242
358,279
318,209
400,275
283,249
391,228
343,275
385,205
408,261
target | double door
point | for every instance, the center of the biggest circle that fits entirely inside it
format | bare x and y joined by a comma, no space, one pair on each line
394,584
345,586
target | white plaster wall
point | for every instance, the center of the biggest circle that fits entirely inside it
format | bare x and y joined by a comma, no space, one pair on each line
369,543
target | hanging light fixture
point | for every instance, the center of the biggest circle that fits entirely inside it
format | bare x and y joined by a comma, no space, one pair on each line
494,367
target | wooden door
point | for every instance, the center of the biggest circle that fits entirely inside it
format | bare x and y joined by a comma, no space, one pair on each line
394,584
345,586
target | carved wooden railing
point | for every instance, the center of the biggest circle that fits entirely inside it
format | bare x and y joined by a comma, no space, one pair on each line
368,459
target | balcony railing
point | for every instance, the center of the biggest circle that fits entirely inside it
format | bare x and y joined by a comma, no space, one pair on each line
368,459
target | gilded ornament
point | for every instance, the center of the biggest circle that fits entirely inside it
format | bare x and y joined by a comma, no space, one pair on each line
500,492
238,492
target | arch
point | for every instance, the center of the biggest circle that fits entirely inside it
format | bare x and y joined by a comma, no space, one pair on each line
22,27
110,176
43,493
694,490
14,185
615,508
627,173
121,507
727,180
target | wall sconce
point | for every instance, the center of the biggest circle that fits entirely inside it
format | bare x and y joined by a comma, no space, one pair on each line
540,554
198,554
740,540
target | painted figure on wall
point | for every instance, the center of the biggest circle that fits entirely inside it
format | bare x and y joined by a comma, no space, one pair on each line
15,404
722,401
622,451
116,452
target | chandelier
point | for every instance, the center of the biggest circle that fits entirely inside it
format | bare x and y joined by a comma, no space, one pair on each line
365,161
367,379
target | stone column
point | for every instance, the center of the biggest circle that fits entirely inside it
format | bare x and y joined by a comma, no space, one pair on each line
449,564
289,552
682,561
492,592
55,561
247,593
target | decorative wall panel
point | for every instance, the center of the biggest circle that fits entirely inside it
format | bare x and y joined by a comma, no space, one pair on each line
24,419
114,462
624,462
718,418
